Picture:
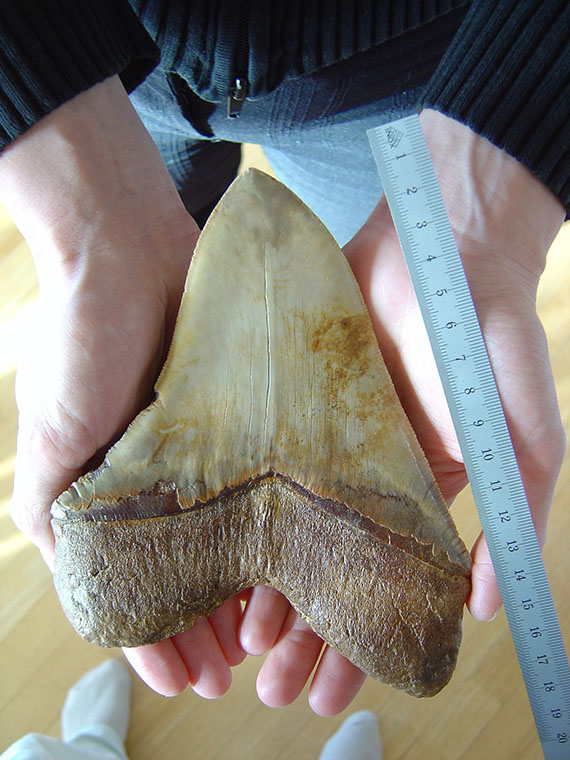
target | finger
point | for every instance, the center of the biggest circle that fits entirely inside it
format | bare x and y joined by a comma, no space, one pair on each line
335,684
289,664
225,622
39,478
193,656
33,520
52,445
485,599
208,671
262,619
160,666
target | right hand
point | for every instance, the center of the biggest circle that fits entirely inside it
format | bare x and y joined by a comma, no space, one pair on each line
112,244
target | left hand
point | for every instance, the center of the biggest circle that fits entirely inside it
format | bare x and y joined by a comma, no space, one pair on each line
504,220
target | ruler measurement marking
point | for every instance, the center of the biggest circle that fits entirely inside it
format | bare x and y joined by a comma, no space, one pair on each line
453,328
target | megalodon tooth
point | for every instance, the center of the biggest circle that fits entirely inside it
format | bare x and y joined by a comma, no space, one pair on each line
274,452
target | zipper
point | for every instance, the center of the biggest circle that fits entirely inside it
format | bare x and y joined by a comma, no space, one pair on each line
240,87
237,96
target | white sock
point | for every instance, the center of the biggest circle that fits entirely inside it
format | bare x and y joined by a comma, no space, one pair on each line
102,697
357,739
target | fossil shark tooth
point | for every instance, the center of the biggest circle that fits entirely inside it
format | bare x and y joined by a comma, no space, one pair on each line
275,452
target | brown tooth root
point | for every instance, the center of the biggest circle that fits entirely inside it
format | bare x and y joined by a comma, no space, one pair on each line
276,452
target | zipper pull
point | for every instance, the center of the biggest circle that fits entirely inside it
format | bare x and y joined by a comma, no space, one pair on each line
237,97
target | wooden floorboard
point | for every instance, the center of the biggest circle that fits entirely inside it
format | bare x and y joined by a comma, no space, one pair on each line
483,712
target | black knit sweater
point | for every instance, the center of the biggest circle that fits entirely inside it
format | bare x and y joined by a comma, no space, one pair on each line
506,72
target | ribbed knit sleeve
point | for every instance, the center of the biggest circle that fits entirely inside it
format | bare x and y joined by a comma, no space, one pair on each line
52,50
507,76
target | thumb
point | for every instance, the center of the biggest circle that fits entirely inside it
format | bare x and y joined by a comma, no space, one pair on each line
43,469
52,444
38,480
485,599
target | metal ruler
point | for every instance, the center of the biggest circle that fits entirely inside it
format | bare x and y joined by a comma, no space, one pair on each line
435,267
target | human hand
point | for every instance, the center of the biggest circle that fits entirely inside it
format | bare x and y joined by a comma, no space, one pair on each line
504,220
112,244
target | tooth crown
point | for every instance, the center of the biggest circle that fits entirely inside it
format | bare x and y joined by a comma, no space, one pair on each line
276,452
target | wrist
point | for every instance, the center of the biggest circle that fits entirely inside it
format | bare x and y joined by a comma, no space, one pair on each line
87,187
502,215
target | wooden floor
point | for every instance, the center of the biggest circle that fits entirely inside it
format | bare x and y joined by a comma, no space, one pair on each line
483,713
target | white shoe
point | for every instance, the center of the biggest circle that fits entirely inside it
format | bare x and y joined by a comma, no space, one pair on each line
102,697
357,739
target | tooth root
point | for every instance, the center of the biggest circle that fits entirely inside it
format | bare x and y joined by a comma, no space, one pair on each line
276,452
